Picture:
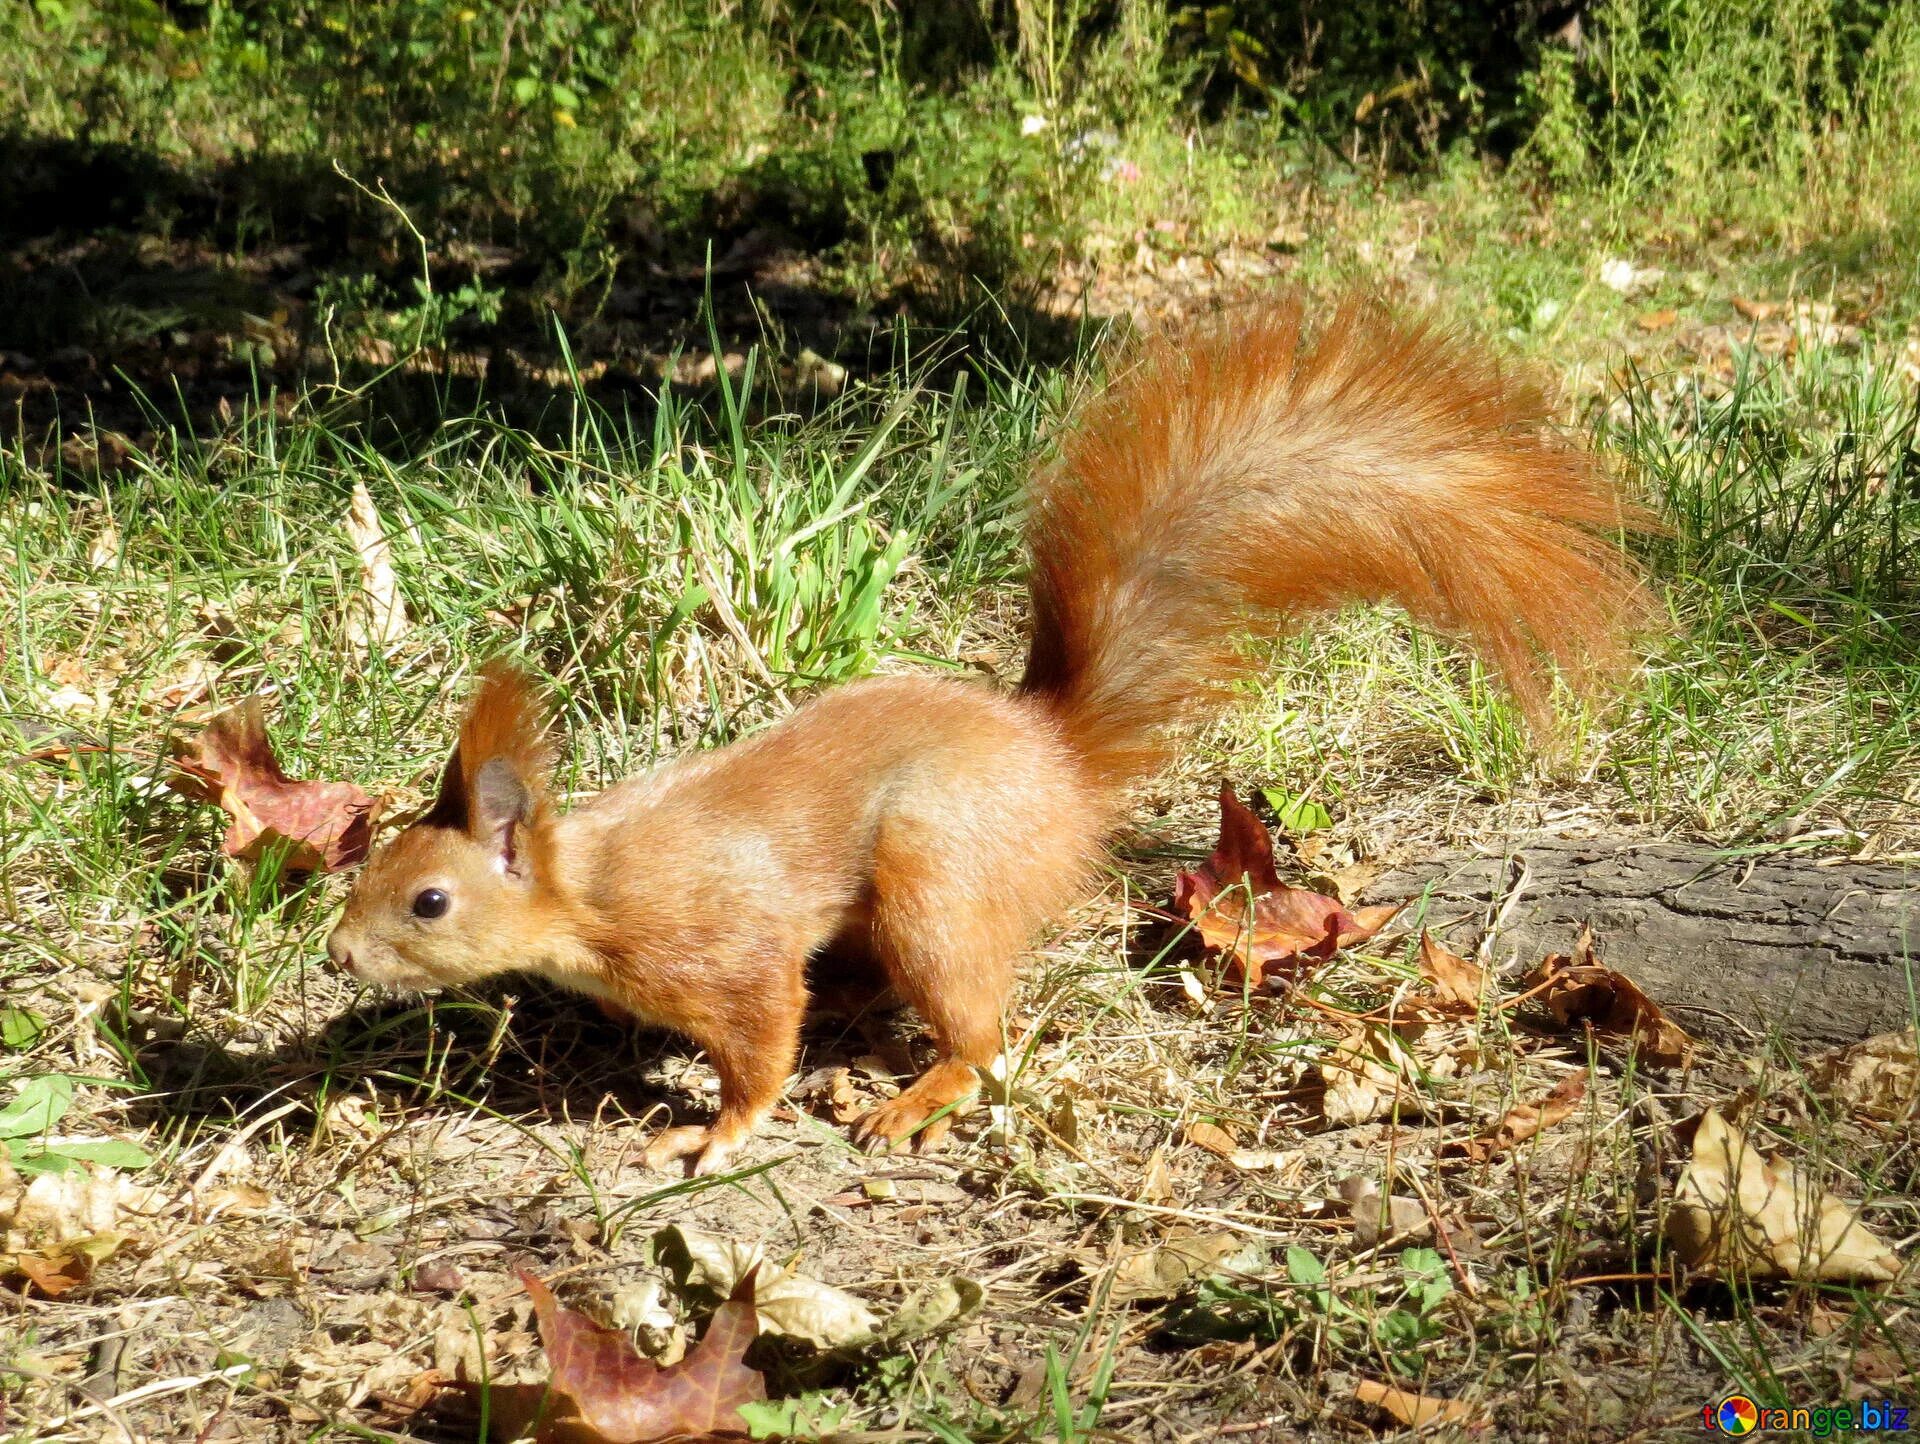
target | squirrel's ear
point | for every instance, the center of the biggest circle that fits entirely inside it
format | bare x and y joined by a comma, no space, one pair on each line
499,805
496,781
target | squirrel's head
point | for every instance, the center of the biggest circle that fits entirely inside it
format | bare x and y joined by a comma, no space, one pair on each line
455,896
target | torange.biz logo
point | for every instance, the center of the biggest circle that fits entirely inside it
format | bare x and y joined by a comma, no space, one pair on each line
1737,1414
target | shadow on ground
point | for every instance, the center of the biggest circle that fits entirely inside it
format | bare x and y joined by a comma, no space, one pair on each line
141,297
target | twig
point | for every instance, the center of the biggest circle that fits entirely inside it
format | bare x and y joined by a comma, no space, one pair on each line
158,1389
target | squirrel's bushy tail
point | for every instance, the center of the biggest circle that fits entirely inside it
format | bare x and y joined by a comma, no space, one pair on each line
1248,473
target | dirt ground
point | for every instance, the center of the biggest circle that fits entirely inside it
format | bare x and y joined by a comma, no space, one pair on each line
357,1181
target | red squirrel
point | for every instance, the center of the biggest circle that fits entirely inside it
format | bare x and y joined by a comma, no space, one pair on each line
1233,479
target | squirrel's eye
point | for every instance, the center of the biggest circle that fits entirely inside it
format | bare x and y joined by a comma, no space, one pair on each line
430,903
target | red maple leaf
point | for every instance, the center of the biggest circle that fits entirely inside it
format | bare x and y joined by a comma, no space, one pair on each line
1288,928
323,826
611,1395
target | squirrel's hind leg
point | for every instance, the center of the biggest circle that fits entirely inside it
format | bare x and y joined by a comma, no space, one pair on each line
952,960
965,871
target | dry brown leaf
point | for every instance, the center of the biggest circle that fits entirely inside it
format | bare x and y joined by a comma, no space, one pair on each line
1737,1214
1524,1120
1416,1411
53,1274
1182,1258
831,1089
239,1199
74,1208
1390,1218
1156,1180
1361,1085
185,687
1347,883
1375,1071
1214,1139
55,1227
1291,930
1876,1078
323,826
104,550
785,1302
1580,988
1454,982
377,616
617,1397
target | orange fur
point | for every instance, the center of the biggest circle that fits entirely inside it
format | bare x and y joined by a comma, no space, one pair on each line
1248,475
934,825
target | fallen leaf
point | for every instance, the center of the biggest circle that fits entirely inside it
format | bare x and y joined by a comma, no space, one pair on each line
186,687
933,1308
1876,1078
1375,1071
1814,324
787,1302
1522,1121
1360,1084
1181,1259
791,1304
1580,988
1737,1214
1347,883
324,826
831,1089
1415,1411
56,1209
621,1398
438,1277
242,1200
1214,1139
71,701
376,617
1384,1218
1156,1180
1291,928
56,1274
104,550
1455,983
1656,320
56,1227
1755,310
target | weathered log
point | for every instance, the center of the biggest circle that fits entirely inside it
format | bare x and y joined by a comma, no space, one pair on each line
1824,952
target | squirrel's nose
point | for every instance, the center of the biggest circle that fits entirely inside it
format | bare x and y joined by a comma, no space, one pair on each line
339,953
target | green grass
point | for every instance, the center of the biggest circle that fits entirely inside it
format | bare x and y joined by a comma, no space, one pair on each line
949,148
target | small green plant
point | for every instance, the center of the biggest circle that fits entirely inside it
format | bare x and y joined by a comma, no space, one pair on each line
803,1416
1413,1320
21,1028
41,1102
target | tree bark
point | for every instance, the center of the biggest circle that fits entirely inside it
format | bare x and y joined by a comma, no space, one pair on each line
1825,953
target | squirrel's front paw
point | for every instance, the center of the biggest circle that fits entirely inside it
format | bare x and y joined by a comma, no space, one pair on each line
716,1149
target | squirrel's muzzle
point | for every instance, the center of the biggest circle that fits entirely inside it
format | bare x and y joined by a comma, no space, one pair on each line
339,953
